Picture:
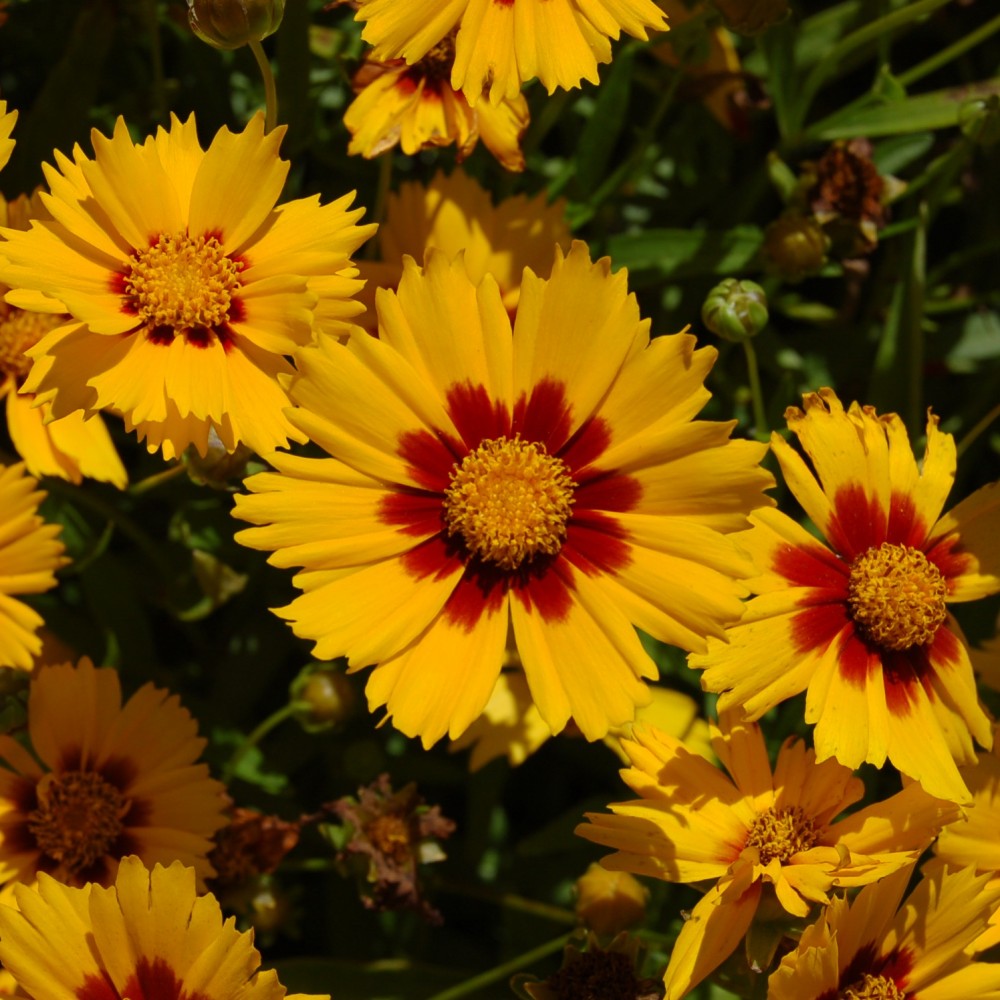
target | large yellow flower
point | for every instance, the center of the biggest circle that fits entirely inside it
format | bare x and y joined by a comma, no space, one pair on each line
504,43
70,448
186,286
454,214
30,554
764,836
105,780
415,107
552,482
871,949
149,935
7,122
863,623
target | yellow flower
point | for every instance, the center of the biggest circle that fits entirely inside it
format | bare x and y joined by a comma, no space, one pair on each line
415,107
863,624
454,214
503,43
551,482
70,448
105,780
148,935
871,949
30,554
7,121
185,285
765,837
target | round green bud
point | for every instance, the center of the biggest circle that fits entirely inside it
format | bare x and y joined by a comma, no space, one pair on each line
325,696
229,24
735,310
795,246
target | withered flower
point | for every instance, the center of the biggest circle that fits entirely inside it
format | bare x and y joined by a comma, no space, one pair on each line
384,839
251,844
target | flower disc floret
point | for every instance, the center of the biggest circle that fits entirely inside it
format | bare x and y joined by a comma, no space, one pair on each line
183,284
779,834
79,817
897,596
20,330
871,987
510,500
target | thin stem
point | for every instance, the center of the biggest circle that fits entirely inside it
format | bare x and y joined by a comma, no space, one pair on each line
271,722
270,92
159,90
498,972
945,56
874,31
510,901
373,247
753,374
151,482
976,430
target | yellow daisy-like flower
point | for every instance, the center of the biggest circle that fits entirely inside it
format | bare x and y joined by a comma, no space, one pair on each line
186,286
30,554
415,107
454,214
70,448
105,780
862,623
550,480
875,949
7,122
762,835
503,43
149,935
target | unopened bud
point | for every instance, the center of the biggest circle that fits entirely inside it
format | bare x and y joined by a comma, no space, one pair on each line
228,24
751,17
608,902
980,120
735,310
795,246
325,695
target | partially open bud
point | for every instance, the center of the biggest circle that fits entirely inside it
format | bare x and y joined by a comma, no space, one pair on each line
608,902
795,246
751,17
228,24
325,695
735,310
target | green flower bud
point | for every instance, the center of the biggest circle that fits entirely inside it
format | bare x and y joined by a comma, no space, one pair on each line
979,119
325,695
735,310
795,246
228,24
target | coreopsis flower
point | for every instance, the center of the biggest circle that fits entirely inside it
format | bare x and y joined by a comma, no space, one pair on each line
876,948
72,447
149,934
511,725
30,554
862,623
502,44
7,121
416,107
390,835
763,835
185,285
547,480
454,214
971,840
103,780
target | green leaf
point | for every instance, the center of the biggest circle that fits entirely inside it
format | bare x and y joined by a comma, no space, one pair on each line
390,979
686,252
597,142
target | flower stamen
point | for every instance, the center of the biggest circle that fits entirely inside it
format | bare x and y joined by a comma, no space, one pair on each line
78,818
20,330
779,834
896,596
871,987
510,501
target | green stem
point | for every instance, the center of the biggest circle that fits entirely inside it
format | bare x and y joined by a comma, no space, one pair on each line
159,90
914,324
976,430
510,901
270,92
373,248
872,32
498,972
271,722
945,56
753,374
151,482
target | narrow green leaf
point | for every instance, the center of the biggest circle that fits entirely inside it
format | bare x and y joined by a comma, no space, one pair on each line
686,252
597,142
